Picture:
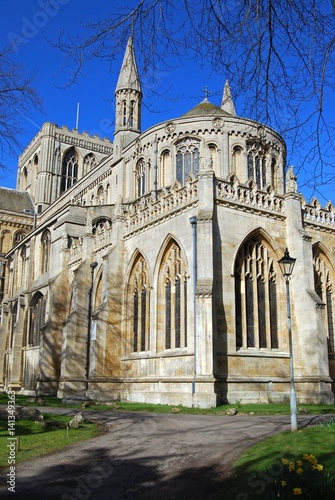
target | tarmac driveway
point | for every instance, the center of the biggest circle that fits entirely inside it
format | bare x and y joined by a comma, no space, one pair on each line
146,456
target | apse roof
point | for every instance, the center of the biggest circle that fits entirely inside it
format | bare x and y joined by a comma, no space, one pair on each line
206,108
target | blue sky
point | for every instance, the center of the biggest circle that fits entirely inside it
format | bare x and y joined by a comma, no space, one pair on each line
95,89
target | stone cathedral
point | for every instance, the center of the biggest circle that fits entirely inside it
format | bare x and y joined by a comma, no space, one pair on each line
146,269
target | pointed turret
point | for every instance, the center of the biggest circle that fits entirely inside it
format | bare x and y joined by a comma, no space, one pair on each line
128,77
128,96
227,103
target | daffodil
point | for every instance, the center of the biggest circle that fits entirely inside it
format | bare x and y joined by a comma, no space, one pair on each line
300,470
297,491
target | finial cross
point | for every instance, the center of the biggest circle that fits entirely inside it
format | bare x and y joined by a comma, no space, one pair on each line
206,92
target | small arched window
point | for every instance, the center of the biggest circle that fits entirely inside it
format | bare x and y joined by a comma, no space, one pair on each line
90,162
140,178
124,113
45,251
101,196
165,168
131,114
19,236
237,164
214,156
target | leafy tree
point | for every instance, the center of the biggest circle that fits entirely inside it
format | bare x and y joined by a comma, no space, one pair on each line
17,97
277,54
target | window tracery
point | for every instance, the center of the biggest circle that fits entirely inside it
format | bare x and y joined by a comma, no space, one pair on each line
138,304
255,297
257,163
187,159
324,288
173,292
69,170
90,162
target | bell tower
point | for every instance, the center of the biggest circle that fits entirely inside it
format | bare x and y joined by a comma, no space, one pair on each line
128,95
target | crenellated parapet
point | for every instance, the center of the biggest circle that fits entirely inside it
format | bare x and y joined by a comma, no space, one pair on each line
315,214
149,209
248,196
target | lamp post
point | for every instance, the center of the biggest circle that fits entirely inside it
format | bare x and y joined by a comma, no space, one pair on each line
31,212
286,265
193,222
89,320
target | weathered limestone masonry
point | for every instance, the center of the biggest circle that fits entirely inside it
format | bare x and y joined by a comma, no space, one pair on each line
147,269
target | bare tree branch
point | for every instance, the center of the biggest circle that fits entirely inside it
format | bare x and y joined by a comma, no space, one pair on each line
17,97
278,55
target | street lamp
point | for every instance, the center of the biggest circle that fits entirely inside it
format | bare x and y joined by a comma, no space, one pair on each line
193,221
89,320
286,265
31,212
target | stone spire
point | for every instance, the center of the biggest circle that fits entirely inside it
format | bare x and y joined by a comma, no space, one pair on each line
128,77
128,97
227,103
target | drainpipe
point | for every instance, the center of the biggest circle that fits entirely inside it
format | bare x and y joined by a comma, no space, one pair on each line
193,221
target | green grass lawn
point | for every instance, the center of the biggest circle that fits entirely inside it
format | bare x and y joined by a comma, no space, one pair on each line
259,472
37,439
243,409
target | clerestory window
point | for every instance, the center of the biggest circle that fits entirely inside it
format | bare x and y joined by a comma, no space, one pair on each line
187,159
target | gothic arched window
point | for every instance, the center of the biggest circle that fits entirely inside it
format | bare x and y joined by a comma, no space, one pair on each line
69,170
45,251
165,173
90,162
101,196
131,114
257,163
255,297
36,319
124,113
140,180
138,306
19,236
187,159
324,288
237,164
173,299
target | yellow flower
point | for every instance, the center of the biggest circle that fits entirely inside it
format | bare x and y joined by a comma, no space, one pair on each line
284,461
299,463
297,491
283,483
317,467
312,459
300,470
292,466
305,456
